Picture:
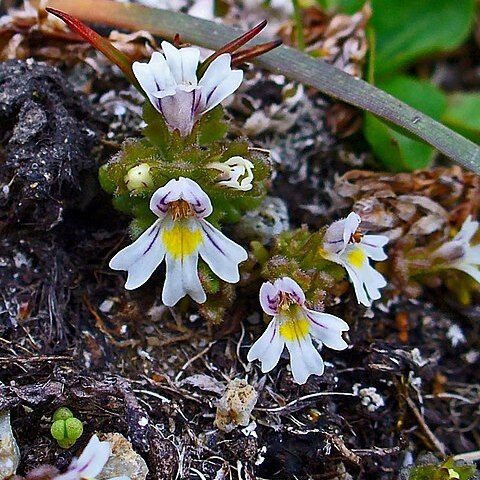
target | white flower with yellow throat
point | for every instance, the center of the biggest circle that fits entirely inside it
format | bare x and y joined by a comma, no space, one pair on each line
346,245
180,235
293,326
170,81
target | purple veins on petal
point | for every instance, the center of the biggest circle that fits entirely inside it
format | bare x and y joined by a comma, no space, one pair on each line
157,231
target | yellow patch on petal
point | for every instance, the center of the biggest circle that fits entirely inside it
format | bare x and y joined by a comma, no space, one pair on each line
356,257
180,241
295,329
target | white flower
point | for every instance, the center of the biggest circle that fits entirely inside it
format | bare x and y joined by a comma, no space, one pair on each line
345,244
180,234
171,83
236,173
459,254
90,463
294,325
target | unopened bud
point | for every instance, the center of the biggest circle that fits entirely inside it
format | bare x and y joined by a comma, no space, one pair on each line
139,177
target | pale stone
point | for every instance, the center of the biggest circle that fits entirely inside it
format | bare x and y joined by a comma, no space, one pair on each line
236,405
9,452
123,461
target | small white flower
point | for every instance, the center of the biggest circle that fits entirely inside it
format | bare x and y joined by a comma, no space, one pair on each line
294,325
236,173
180,234
345,244
90,463
459,254
171,83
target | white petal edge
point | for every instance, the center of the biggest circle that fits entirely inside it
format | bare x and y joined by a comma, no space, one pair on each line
375,240
472,255
178,280
183,63
288,285
219,69
328,329
220,253
352,222
160,200
305,360
93,458
145,77
195,196
360,291
269,298
181,188
218,82
375,253
468,230
267,348
164,81
474,272
142,257
224,89
373,281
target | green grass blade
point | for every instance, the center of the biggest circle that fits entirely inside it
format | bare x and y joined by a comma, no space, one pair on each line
284,60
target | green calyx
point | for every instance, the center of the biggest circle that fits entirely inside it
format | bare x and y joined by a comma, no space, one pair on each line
298,254
66,429
146,164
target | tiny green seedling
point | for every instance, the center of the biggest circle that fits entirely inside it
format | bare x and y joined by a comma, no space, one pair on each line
66,429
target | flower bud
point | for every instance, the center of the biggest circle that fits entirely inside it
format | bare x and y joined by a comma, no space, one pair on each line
236,173
138,178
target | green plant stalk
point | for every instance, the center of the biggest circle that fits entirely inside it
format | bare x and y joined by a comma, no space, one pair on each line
298,25
286,61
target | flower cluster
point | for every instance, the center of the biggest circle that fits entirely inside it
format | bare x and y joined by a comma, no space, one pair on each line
180,234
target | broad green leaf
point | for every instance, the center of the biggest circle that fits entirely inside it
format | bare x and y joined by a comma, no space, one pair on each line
409,29
344,6
463,114
395,150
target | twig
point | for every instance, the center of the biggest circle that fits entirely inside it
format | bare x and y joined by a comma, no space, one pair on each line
193,359
36,359
468,456
301,399
447,395
436,443
339,444
239,345
99,323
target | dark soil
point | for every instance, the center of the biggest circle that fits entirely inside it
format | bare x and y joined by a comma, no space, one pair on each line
71,335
